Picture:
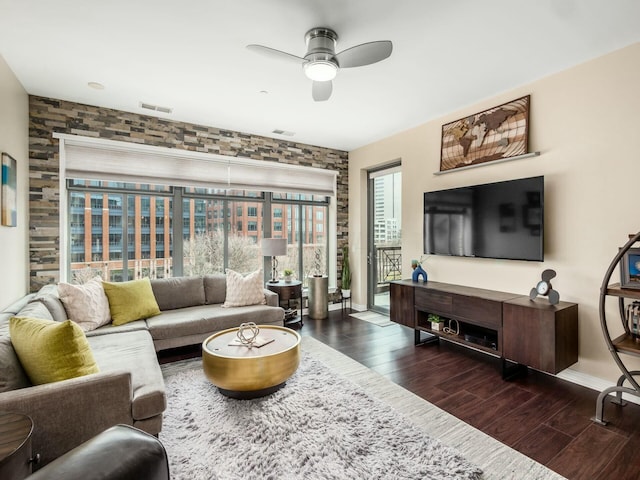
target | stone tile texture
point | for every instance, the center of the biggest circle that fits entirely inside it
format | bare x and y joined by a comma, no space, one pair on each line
47,115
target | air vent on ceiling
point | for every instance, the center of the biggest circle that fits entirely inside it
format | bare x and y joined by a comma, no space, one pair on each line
277,131
155,108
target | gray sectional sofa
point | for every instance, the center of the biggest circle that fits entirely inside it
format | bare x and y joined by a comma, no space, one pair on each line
129,388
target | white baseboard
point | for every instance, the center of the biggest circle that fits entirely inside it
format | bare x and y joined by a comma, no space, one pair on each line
594,383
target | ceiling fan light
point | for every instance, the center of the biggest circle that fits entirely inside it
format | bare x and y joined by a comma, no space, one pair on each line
320,70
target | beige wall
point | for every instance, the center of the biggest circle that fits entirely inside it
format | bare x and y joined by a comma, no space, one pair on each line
584,121
14,127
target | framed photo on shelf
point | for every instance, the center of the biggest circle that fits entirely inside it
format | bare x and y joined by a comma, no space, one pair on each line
630,269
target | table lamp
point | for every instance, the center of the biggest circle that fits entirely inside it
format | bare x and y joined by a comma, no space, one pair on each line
273,247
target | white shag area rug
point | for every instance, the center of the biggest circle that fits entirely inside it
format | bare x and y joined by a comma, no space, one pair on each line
319,426
200,447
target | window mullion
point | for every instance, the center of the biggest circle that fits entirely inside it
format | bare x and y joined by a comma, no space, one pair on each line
178,241
226,229
125,237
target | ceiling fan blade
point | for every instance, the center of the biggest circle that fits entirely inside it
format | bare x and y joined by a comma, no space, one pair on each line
273,53
321,91
364,54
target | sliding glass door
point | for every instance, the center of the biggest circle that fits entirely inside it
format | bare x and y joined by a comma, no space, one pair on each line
384,235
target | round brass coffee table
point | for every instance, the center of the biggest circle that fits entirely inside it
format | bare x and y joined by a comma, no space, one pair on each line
242,372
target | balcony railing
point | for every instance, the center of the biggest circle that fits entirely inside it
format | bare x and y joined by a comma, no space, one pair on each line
389,266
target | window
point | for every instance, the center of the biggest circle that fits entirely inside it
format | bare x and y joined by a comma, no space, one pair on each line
146,235
115,240
77,201
137,228
304,232
96,202
115,221
76,220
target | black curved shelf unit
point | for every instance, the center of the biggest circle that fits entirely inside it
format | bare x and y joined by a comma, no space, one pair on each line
624,343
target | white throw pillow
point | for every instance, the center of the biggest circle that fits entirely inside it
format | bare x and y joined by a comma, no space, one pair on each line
243,291
87,304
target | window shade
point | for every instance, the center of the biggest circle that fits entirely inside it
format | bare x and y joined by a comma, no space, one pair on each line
110,160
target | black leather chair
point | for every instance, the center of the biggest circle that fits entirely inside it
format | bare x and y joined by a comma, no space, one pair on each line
119,453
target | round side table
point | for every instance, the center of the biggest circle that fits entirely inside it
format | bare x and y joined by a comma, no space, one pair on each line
15,446
288,291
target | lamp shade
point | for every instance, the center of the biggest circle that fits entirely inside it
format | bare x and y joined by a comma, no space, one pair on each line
274,247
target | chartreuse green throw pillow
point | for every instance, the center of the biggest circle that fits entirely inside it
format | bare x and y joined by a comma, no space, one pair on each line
132,300
51,351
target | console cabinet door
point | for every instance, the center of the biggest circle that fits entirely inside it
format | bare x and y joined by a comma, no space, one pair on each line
539,335
401,308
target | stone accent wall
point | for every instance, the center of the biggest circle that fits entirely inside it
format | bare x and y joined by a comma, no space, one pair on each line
48,115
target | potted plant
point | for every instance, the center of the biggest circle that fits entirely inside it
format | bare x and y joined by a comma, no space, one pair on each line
288,274
346,273
436,321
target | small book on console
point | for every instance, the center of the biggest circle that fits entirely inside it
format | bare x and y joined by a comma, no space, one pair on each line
259,341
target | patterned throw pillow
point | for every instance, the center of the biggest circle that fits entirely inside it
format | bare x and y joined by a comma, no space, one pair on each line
243,291
86,304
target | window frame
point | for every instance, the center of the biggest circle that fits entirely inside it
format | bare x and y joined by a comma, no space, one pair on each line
289,202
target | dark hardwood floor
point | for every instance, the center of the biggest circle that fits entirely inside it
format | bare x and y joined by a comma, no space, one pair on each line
539,415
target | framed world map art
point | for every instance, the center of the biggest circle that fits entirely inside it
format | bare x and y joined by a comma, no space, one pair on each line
497,133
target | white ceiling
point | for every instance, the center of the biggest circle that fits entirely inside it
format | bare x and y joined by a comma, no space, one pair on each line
190,55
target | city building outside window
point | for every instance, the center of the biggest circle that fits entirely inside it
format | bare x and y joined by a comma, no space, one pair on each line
210,241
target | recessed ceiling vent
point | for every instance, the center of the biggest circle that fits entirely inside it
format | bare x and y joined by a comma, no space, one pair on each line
277,131
155,108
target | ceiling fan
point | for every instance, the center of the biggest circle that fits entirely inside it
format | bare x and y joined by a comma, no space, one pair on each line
321,63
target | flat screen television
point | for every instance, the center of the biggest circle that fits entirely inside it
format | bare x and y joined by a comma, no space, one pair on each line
503,220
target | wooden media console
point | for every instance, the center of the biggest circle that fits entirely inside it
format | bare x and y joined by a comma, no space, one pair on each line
525,332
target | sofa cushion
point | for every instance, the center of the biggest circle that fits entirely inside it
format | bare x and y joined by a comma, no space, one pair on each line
178,292
35,310
48,296
132,300
111,328
133,352
51,351
208,319
12,375
247,290
19,304
215,288
86,304
4,323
